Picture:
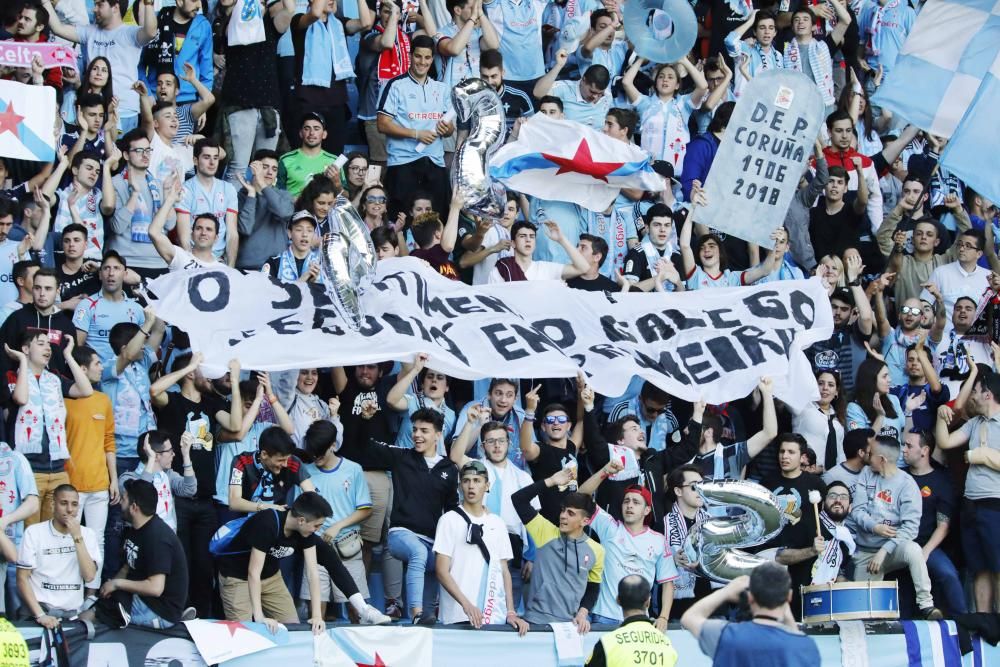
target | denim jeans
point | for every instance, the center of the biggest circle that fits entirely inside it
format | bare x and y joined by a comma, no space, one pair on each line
418,556
247,131
597,619
145,617
947,582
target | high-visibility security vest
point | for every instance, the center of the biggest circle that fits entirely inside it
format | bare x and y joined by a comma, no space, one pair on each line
638,643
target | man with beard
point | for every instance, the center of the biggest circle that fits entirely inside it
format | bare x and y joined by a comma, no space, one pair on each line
204,193
962,276
856,444
205,231
472,556
297,167
433,387
505,479
96,315
196,409
77,276
956,354
845,350
630,547
652,407
641,465
792,487
896,341
184,39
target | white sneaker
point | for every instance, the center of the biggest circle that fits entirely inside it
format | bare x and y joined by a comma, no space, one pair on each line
372,616
189,614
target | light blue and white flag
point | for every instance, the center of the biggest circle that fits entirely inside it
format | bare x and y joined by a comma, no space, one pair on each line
27,122
973,148
942,64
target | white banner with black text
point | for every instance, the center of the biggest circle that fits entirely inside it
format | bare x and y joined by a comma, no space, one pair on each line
712,344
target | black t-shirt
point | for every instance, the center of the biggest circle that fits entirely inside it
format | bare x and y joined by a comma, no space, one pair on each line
259,483
181,414
155,549
264,531
74,284
637,264
833,233
251,80
550,461
315,96
599,284
516,104
380,427
793,497
938,498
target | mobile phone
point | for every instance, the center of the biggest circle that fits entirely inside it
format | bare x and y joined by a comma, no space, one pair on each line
248,175
374,175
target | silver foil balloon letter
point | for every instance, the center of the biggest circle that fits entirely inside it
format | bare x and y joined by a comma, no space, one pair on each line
347,261
476,99
740,514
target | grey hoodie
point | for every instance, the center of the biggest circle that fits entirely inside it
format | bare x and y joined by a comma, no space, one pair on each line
263,226
894,502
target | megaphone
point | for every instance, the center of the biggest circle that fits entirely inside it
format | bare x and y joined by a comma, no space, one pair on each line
662,31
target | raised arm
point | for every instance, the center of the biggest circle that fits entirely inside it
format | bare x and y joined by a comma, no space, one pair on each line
58,28
544,85
157,391
163,246
628,80
761,439
396,398
529,447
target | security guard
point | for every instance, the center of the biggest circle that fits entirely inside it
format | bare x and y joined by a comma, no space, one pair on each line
636,641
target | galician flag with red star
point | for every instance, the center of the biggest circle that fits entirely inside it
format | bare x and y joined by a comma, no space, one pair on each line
374,646
218,641
27,122
563,160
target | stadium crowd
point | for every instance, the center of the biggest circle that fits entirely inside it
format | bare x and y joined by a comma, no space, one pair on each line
224,131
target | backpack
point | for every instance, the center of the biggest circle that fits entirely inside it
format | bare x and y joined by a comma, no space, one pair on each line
224,536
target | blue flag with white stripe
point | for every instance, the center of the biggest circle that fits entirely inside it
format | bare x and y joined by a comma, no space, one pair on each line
942,63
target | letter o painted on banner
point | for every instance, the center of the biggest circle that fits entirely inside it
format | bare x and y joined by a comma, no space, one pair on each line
803,308
214,304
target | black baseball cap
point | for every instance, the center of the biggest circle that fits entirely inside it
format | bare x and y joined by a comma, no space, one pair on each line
313,115
665,169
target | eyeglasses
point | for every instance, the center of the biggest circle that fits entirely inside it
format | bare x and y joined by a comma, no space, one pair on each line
838,496
489,442
141,151
357,170
910,310
967,246
556,419
375,199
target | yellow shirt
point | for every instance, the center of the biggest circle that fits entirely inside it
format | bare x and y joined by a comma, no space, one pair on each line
634,642
90,432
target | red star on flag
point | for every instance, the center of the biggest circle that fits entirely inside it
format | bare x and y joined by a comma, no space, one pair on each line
378,662
233,626
9,120
583,163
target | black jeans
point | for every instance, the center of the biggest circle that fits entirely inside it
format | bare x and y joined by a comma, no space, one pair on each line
196,523
404,180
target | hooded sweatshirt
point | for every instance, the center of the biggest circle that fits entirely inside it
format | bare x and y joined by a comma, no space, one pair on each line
894,501
567,571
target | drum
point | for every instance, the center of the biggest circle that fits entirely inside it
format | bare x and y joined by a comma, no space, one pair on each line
850,601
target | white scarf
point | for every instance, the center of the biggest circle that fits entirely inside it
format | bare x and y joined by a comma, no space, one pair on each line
677,532
246,23
826,567
653,256
45,409
875,31
819,62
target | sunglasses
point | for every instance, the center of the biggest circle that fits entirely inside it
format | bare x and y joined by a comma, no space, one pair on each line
556,419
910,310
375,199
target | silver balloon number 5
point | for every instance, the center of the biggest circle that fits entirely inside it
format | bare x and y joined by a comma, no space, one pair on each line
739,515
476,100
